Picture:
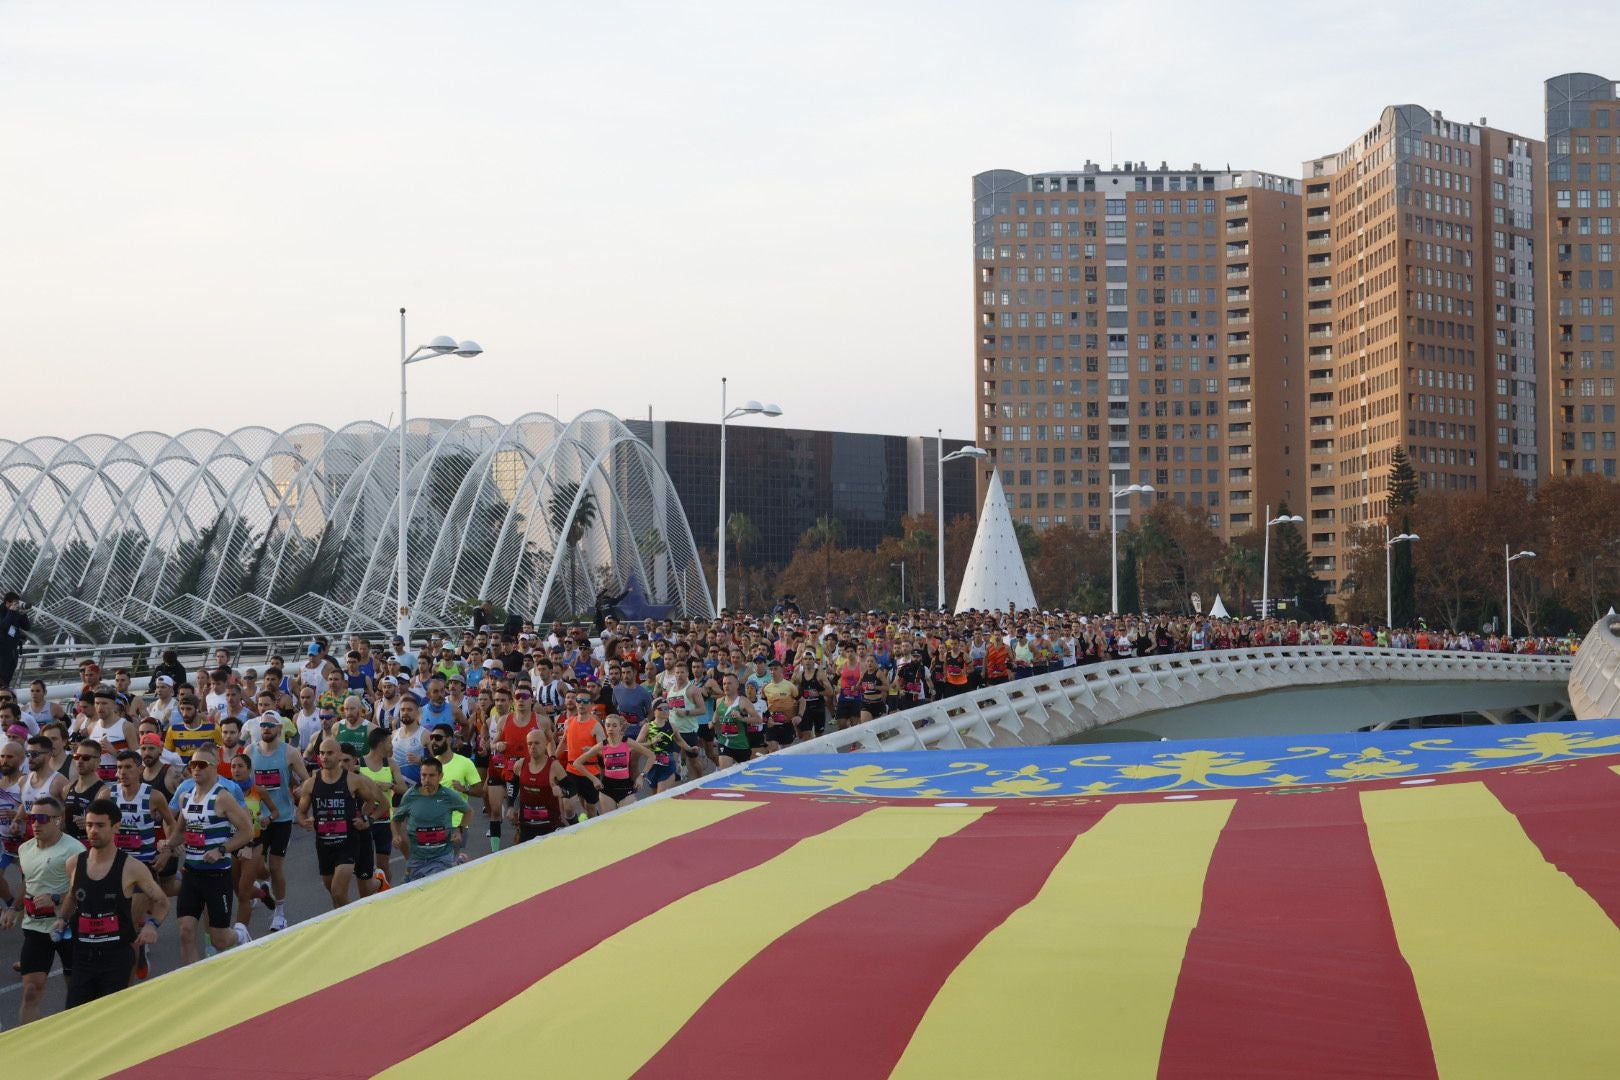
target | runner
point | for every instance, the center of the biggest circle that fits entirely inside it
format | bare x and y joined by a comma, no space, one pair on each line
103,882
659,736
86,788
813,690
849,688
731,717
622,763
338,805
781,708
142,810
874,690
45,859
422,824
277,771
581,731
378,767
534,805
515,726
214,825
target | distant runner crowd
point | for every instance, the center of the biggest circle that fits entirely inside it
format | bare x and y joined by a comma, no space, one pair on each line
122,806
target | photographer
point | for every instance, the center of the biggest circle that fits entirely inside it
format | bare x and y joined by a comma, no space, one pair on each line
13,633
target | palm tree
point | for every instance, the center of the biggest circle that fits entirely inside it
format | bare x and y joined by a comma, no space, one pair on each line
570,533
744,534
1237,571
827,531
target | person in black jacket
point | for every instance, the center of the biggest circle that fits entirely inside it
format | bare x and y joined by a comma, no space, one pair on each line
172,667
13,634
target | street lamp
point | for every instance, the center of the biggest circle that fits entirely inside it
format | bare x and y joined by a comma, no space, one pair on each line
747,408
1113,533
437,347
1265,562
1389,595
966,452
1508,561
902,567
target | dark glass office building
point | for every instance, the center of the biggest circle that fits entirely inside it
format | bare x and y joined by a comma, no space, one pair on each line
786,478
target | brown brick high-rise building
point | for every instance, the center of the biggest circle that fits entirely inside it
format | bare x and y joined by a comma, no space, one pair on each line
1142,324
1420,316
1238,339
1580,198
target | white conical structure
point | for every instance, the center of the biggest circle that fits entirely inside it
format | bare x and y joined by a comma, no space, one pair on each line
995,575
1217,610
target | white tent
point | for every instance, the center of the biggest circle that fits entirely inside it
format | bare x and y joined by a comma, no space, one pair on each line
995,576
1217,610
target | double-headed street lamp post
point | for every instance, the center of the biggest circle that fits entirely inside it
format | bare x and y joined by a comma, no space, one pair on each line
437,347
747,408
1508,561
1113,534
964,453
1265,563
1389,592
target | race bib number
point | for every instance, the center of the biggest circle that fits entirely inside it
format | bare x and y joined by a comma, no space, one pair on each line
337,828
426,836
127,841
536,815
267,778
194,838
97,925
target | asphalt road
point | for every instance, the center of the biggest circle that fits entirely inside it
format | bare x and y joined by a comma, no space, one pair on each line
306,899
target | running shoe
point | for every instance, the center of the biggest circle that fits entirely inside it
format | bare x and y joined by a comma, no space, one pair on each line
242,935
382,881
262,890
278,921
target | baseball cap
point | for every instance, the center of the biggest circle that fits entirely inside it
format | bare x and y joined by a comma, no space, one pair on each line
398,640
165,680
388,680
151,738
314,650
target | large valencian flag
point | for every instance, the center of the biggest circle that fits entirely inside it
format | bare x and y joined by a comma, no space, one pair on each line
1404,904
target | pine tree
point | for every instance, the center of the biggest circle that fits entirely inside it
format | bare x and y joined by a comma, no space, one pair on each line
1403,487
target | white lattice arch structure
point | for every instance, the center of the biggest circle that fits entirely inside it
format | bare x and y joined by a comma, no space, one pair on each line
255,531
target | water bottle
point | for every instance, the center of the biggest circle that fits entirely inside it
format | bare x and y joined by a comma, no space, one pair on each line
61,934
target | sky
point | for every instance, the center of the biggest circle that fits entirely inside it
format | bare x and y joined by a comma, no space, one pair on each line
210,214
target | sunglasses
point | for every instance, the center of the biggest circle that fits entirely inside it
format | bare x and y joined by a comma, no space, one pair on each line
40,819
36,753
525,697
199,766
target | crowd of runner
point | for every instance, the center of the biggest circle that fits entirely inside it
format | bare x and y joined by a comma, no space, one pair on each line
120,805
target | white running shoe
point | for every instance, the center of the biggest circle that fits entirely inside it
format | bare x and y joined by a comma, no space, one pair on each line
242,935
278,921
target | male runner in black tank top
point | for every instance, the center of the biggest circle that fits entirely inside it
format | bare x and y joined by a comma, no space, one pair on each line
97,907
334,802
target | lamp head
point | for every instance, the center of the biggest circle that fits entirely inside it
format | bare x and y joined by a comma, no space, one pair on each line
1525,555
772,409
442,345
469,348
750,407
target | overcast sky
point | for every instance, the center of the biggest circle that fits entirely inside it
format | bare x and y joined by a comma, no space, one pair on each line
213,212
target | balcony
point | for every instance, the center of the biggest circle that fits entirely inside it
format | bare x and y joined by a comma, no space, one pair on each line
1321,426
1239,408
1326,381
1319,288
1320,335
1240,456
1237,319
1319,238
1318,193
1239,272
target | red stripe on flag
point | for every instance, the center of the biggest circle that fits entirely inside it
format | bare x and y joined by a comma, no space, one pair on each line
1571,811
841,993
1293,968
467,973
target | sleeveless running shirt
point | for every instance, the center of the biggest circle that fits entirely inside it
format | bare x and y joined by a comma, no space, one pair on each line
102,919
137,827
335,808
205,827
271,776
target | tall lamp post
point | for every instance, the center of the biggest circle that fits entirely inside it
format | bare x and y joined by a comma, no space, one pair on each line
1389,591
437,347
902,567
1114,494
966,452
1508,561
747,408
1265,562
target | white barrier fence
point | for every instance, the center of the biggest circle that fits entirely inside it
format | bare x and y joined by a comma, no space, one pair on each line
1045,709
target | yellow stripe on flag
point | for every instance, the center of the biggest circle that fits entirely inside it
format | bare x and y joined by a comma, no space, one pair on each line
1079,980
202,1000
607,1016
1517,967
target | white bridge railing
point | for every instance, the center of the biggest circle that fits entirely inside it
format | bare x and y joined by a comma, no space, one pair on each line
1044,709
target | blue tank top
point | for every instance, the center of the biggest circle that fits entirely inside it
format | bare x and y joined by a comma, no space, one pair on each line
439,715
270,775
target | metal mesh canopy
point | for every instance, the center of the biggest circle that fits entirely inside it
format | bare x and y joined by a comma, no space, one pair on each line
257,532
